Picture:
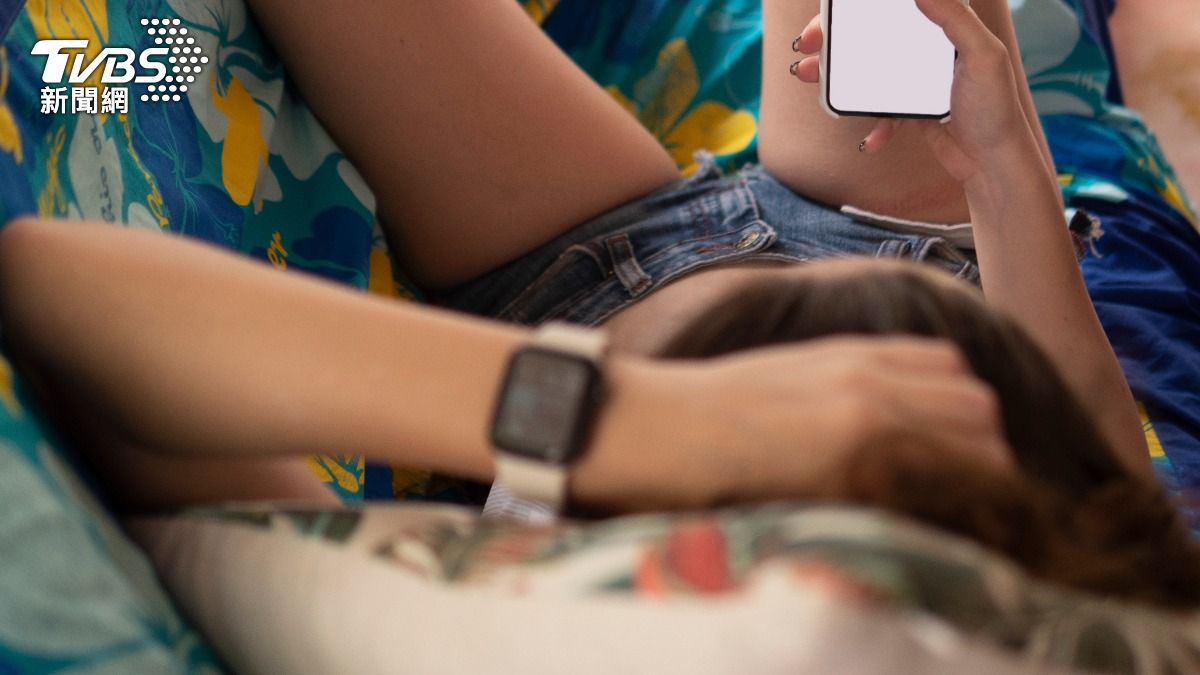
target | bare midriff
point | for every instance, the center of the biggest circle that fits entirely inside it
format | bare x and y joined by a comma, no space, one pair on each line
817,155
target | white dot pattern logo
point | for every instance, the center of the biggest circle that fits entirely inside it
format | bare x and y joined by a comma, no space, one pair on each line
171,32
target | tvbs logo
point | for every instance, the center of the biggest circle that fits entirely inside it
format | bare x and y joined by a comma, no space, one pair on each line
165,69
117,62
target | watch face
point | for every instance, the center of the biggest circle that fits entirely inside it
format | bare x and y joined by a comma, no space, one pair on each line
545,400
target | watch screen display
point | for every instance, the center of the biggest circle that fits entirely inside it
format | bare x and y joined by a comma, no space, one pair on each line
545,394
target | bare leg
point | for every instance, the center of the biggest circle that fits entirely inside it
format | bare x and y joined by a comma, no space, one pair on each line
1158,57
818,156
480,138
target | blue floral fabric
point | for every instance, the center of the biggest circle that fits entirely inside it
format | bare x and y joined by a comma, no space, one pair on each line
689,71
75,594
1145,277
238,160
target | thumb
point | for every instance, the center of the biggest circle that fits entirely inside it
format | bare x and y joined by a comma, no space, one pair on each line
961,25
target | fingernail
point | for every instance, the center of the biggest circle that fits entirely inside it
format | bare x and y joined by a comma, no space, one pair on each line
796,43
862,145
792,68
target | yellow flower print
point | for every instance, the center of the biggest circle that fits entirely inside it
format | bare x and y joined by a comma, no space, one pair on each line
538,10
10,137
8,397
669,90
244,152
72,19
1173,193
380,279
1152,441
346,471
52,200
1170,190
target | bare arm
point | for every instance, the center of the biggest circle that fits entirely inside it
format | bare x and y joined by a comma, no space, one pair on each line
997,16
1028,267
193,352
1026,257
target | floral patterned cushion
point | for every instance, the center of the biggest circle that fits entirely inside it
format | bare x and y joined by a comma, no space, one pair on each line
754,568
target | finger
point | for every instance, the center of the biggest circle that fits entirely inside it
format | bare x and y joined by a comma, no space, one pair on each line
807,69
912,354
954,414
880,136
934,448
987,449
956,402
961,25
810,38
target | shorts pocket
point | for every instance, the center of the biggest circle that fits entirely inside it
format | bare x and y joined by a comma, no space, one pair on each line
932,251
575,272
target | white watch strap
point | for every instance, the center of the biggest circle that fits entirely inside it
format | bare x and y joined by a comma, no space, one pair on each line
532,480
527,483
564,337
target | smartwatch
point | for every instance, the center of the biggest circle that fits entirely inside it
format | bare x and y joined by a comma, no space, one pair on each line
544,410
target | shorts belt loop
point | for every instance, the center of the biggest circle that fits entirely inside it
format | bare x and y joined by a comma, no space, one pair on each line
625,264
894,248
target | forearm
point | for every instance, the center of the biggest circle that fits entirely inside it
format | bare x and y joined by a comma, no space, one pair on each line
998,18
191,352
1029,269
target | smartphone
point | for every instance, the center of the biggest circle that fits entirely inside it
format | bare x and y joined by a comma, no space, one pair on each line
884,58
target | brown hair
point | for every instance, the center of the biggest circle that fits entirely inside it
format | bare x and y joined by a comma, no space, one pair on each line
1072,514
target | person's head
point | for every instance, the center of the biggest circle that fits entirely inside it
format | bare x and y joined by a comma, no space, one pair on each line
1072,513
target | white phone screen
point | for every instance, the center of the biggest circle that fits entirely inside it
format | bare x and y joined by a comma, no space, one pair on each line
886,57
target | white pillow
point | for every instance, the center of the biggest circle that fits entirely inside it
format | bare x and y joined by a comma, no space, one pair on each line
337,596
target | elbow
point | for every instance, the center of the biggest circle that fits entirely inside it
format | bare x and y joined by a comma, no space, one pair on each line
26,245
15,237
20,240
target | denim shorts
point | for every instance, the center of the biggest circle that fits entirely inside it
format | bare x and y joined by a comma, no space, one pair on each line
707,219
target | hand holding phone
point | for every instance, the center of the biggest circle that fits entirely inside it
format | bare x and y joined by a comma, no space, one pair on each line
986,114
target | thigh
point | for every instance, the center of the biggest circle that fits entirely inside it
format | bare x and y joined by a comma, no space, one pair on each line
479,137
818,156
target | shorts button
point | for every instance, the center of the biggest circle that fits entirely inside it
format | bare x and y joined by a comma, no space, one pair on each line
748,240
